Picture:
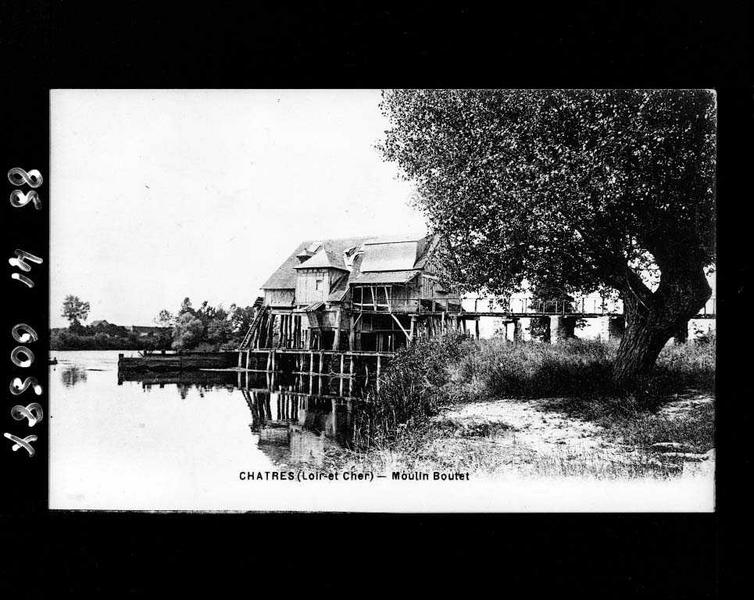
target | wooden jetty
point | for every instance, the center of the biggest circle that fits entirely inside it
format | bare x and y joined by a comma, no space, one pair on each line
184,361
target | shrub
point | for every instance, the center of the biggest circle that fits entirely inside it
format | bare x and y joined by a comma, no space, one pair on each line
413,387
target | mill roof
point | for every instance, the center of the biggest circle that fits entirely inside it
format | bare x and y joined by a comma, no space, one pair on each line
383,259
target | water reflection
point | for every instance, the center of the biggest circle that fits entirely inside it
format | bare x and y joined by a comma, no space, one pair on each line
71,375
297,419
294,419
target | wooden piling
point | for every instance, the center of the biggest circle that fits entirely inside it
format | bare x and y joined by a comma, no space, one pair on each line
379,364
351,375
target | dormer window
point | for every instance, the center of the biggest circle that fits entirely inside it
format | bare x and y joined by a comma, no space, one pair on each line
348,255
308,252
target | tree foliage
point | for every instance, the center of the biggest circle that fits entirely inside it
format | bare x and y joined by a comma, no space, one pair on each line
75,311
559,186
209,328
569,189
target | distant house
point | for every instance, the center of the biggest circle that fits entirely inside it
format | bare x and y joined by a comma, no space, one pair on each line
100,323
356,293
147,330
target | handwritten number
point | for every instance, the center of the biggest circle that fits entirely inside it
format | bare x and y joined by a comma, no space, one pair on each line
18,387
33,412
24,333
20,199
24,443
22,357
19,177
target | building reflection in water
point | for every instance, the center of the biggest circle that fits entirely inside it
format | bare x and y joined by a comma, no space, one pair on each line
297,418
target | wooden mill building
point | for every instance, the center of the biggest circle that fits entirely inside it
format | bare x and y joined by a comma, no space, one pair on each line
357,294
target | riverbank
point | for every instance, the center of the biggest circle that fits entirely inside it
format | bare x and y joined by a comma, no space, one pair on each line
539,438
493,408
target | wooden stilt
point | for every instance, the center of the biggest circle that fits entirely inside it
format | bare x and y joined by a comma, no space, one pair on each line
350,375
351,333
379,365
336,342
341,378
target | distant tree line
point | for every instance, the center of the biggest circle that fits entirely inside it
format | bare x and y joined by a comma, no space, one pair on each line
206,328
106,336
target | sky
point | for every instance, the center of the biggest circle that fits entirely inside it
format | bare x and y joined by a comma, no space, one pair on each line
161,195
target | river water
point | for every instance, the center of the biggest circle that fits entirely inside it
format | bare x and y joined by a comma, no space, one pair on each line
173,441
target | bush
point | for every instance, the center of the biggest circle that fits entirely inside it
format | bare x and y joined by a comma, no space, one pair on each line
413,387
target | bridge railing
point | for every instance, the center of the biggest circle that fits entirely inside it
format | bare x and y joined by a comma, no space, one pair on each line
584,305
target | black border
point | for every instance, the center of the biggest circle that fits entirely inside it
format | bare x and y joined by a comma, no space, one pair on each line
49,44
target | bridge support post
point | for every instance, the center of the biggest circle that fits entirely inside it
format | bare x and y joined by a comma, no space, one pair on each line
556,334
611,327
522,329
615,327
561,328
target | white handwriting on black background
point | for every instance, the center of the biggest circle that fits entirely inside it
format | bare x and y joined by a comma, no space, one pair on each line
22,355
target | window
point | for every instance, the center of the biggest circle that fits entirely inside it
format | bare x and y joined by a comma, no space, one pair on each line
317,284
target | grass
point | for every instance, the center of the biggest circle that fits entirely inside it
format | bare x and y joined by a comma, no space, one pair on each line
450,447
401,425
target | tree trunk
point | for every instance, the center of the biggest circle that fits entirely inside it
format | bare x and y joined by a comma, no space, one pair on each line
653,318
639,348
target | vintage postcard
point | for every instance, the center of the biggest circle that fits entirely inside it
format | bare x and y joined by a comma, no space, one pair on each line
451,300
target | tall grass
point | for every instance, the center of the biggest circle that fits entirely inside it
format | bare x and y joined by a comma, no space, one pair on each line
533,369
440,371
411,390
684,366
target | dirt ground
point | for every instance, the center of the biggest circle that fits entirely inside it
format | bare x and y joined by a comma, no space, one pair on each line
530,438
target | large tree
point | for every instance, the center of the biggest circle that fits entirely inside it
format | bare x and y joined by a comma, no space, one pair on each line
593,189
75,310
